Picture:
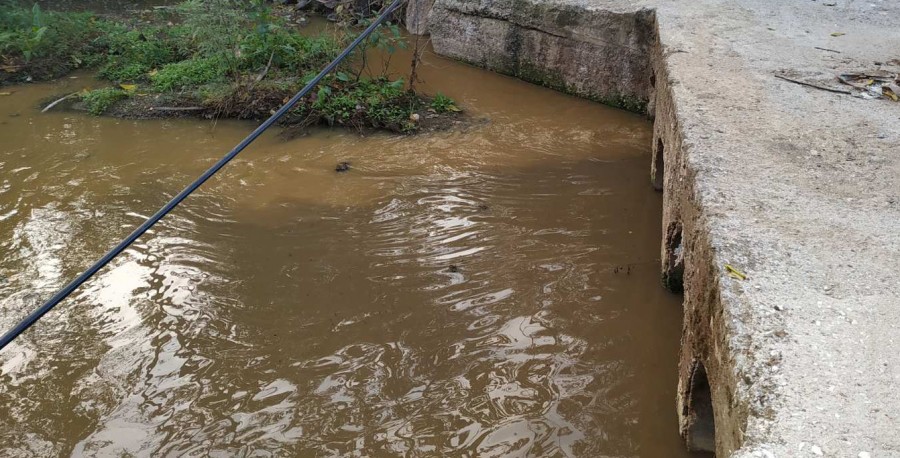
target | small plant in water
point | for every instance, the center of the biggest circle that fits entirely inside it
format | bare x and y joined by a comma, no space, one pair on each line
442,104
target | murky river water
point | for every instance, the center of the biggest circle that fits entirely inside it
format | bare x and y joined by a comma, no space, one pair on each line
492,292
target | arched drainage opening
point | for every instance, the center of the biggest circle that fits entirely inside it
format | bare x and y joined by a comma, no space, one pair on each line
673,270
698,424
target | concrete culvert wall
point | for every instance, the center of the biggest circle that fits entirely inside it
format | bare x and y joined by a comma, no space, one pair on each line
601,55
779,198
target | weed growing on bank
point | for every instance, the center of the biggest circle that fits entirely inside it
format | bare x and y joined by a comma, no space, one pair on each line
223,58
99,100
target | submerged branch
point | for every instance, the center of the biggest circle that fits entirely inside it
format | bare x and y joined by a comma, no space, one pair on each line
57,102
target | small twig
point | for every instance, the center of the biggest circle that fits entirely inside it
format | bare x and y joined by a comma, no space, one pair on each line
826,49
57,102
815,86
266,70
177,108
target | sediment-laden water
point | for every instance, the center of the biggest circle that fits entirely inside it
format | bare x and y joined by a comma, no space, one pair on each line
487,292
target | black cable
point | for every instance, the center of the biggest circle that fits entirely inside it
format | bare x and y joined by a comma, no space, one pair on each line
74,284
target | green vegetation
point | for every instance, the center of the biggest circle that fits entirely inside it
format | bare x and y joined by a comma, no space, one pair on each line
99,100
188,74
232,58
47,44
378,103
131,54
443,104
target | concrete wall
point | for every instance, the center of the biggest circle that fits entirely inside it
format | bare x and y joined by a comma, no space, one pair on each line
601,55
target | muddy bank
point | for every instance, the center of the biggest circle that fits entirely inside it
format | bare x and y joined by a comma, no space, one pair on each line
257,105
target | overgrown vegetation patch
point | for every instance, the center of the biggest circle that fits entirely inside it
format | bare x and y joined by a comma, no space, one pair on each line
223,58
39,45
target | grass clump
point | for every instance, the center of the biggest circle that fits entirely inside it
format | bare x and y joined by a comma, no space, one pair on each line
131,54
98,101
443,104
186,74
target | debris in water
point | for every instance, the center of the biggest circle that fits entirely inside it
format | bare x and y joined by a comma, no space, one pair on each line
453,268
626,269
58,101
342,167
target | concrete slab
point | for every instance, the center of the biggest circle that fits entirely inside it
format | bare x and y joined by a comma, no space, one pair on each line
796,187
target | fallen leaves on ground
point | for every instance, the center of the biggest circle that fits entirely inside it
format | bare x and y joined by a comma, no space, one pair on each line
876,84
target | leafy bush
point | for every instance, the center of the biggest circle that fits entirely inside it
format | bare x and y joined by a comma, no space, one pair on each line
99,100
381,102
188,74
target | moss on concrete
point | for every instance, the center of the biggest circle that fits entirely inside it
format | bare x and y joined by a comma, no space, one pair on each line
534,74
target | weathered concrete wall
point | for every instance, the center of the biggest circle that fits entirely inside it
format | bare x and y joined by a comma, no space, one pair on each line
711,417
796,187
418,15
600,55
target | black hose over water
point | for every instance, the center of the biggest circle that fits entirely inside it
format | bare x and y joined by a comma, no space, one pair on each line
74,284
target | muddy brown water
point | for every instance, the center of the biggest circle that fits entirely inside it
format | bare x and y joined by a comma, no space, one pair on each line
487,292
